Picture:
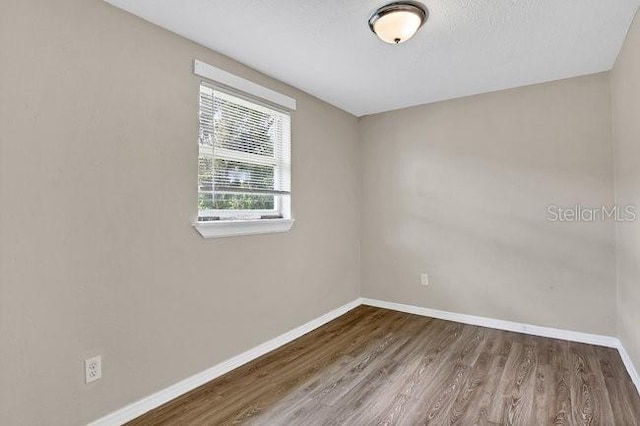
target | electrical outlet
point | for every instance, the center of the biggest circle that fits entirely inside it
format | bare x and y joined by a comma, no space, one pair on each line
424,279
93,369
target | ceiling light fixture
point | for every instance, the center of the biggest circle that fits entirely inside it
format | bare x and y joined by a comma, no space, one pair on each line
397,22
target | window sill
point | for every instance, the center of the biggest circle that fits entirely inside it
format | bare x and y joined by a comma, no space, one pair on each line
233,228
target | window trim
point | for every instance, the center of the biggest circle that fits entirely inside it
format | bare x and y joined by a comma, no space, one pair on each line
225,78
234,228
225,227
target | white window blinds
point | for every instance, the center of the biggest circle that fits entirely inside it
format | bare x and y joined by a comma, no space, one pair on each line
244,155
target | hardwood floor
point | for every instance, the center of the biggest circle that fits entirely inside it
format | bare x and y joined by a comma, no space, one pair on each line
378,367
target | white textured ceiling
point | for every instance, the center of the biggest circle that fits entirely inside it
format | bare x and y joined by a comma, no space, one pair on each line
466,47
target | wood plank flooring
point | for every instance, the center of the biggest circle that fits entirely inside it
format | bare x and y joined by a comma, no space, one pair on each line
378,367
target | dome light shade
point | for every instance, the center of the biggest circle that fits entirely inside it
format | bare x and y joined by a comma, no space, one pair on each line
398,22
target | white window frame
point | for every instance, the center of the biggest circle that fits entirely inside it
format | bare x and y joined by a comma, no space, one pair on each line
227,226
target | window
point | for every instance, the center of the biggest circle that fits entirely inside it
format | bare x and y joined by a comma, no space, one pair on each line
244,163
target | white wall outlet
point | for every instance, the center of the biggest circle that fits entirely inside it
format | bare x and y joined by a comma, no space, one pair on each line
424,279
93,369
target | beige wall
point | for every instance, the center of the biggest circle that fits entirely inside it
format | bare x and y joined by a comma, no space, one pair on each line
459,190
98,127
626,125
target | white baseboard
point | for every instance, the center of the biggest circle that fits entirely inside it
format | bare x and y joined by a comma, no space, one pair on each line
534,330
155,400
631,369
